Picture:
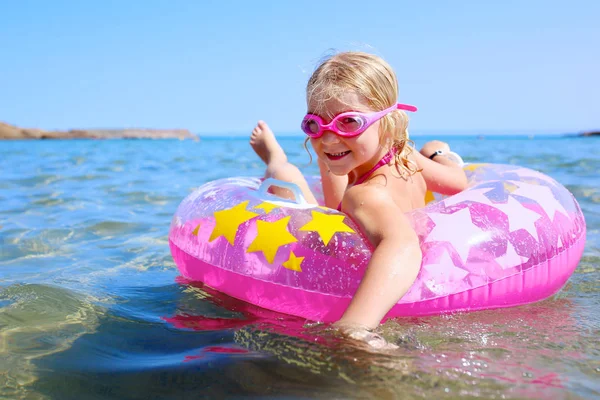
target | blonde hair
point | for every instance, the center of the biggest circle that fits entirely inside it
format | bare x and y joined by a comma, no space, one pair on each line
372,78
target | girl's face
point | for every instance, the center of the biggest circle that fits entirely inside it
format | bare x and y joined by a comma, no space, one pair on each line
346,156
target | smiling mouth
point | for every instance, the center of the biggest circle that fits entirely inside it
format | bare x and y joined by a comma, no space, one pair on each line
337,156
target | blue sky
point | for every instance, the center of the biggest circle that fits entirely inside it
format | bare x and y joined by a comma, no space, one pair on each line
219,66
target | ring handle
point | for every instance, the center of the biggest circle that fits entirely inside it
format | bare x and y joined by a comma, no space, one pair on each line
292,187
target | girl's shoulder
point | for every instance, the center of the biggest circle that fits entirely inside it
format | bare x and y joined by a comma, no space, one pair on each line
368,193
374,209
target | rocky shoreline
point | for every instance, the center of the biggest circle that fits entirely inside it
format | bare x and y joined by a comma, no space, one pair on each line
10,132
590,133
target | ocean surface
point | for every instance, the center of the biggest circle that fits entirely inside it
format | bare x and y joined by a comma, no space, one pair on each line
93,307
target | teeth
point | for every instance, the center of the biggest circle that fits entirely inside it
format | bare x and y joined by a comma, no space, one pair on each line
338,154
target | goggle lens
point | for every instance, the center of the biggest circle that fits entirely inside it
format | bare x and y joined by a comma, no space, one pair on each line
311,127
350,124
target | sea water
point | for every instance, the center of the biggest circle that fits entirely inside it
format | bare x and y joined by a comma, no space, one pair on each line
93,307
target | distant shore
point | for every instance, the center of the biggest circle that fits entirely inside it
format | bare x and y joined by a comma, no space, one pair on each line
10,132
590,133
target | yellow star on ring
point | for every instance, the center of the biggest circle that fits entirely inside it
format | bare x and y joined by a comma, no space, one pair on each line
229,220
472,167
531,181
326,225
294,262
509,187
270,237
266,206
195,231
429,197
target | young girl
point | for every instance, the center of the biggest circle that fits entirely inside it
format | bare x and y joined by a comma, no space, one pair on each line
368,171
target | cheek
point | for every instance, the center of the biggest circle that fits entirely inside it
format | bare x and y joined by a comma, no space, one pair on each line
316,145
370,139
376,127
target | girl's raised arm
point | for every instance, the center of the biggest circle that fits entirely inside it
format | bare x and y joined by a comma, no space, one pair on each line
443,175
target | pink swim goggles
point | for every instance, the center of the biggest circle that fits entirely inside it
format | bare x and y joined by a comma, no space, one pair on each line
348,124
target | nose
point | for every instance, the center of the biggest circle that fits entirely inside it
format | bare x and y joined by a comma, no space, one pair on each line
329,137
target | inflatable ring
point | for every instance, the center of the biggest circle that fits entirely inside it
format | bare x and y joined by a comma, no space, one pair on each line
513,237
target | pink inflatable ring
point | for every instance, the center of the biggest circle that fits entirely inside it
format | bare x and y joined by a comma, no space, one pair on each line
514,237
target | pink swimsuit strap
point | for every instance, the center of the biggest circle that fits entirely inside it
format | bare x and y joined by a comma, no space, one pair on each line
384,161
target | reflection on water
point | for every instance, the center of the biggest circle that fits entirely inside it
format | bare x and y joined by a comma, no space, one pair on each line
511,352
91,305
37,321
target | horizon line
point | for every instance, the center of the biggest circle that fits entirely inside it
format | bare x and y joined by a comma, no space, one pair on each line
428,132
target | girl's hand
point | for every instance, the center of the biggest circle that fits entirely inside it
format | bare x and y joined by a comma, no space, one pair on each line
431,147
362,334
